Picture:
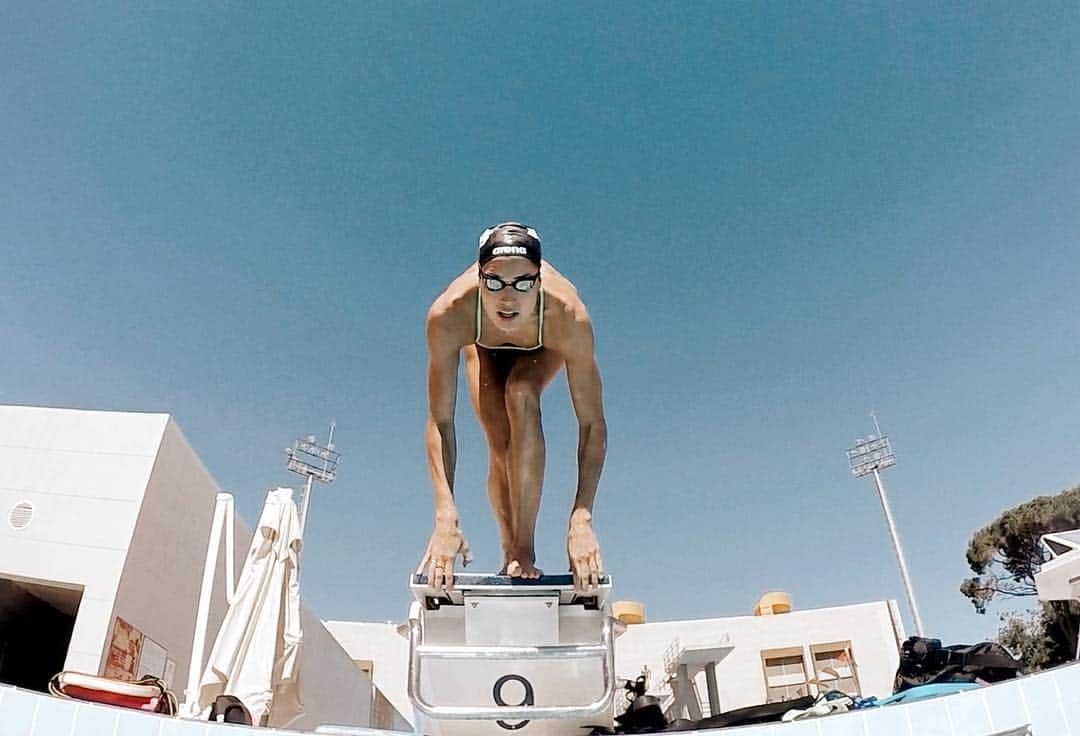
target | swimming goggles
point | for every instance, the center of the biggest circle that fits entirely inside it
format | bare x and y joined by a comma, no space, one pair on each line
521,284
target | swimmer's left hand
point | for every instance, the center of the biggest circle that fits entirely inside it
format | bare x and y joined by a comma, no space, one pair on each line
584,552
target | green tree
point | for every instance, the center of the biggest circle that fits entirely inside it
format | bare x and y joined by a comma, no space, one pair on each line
1024,634
1005,555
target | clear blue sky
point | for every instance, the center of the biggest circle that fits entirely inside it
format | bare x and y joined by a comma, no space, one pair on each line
782,216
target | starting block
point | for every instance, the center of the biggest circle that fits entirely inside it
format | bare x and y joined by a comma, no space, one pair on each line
497,654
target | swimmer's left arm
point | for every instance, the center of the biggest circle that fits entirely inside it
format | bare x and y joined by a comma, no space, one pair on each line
583,378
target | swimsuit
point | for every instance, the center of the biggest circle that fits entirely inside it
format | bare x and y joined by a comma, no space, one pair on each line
539,332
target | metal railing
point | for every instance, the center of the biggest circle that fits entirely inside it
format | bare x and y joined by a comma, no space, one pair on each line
418,651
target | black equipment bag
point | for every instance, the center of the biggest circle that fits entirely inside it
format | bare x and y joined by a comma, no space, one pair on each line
924,661
230,709
767,713
643,712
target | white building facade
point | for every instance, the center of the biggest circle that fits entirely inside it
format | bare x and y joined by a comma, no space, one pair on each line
106,518
761,659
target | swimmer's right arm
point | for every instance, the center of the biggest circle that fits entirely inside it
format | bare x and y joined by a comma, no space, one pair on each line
440,437
447,541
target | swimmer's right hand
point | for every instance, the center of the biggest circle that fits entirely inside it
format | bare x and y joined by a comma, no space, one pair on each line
447,542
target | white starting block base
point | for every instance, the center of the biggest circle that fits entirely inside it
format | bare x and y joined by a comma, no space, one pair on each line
499,654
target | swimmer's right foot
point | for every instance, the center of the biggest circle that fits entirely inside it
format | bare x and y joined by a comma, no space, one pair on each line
523,569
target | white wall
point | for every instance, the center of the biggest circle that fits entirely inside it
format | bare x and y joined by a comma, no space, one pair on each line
162,576
740,676
388,652
332,689
84,472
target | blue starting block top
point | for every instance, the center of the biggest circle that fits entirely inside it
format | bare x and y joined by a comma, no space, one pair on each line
472,579
494,584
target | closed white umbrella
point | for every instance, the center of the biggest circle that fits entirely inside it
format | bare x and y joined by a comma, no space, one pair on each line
256,655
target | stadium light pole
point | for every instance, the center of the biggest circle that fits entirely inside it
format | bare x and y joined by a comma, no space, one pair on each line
868,457
314,462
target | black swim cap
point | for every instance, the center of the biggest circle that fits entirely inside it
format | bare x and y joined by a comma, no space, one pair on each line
509,239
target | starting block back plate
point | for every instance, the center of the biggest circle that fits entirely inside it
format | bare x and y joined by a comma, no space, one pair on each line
512,620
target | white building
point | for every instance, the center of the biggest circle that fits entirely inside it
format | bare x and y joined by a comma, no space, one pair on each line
764,658
103,538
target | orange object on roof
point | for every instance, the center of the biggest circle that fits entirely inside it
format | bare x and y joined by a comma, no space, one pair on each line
629,612
773,603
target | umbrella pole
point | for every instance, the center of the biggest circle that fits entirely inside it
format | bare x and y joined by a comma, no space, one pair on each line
307,501
223,519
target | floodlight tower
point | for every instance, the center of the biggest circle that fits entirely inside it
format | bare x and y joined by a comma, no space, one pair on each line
869,456
314,462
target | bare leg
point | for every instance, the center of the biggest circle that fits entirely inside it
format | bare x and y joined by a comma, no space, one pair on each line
486,388
529,375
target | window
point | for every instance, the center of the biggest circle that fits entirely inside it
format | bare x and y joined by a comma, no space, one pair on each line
834,667
785,674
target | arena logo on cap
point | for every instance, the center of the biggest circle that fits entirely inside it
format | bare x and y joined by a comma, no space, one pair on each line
509,250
